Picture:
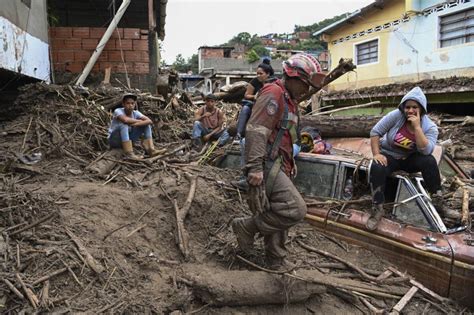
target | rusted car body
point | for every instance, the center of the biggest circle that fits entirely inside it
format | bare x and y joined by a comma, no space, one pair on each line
414,237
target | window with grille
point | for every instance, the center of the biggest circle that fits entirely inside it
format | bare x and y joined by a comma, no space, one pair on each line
457,28
367,52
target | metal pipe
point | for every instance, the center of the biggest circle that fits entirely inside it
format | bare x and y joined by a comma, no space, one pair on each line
103,41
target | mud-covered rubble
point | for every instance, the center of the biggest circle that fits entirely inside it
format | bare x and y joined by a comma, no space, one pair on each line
77,241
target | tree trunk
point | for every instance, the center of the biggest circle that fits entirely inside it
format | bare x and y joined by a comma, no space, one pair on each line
341,126
243,287
240,287
465,155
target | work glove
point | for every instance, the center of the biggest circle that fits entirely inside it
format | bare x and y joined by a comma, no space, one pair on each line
257,199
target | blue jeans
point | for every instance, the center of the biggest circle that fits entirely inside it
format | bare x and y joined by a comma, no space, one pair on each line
242,157
127,133
244,117
200,131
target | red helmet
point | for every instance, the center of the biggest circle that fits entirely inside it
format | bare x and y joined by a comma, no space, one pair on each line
306,68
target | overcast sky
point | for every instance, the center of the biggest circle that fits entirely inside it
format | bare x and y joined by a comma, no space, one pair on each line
194,23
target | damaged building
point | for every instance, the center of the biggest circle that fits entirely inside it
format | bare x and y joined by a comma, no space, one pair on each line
394,42
53,41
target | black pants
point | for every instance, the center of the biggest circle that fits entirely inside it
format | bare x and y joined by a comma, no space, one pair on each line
417,162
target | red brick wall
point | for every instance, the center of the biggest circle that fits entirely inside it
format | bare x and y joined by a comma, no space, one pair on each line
72,47
212,53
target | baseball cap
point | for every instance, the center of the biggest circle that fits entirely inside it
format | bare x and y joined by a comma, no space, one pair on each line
210,96
130,95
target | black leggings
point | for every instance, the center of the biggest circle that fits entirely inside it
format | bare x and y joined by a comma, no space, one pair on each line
426,164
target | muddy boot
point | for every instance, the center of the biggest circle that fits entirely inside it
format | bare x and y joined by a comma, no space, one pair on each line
150,148
375,217
280,264
245,230
127,147
240,184
196,144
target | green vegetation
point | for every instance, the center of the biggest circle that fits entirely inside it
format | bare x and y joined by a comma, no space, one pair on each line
252,56
245,39
319,25
182,65
254,45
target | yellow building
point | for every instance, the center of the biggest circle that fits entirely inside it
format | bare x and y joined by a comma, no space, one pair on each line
394,41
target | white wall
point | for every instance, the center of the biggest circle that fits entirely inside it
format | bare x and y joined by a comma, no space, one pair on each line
414,48
24,45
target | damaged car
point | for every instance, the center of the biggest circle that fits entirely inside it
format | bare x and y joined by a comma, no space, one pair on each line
438,251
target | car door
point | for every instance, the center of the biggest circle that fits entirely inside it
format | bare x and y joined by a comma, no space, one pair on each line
316,177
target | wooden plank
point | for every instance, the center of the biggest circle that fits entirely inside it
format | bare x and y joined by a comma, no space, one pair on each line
384,275
420,286
404,300
107,73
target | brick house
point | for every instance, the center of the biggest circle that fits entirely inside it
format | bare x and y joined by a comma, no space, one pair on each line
132,50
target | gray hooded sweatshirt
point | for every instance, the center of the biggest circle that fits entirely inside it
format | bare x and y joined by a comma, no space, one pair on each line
391,123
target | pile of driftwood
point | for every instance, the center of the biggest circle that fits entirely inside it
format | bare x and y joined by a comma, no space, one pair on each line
37,248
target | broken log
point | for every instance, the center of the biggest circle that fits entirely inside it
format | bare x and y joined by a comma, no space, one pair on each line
341,126
241,287
182,236
465,155
105,162
88,258
345,108
345,65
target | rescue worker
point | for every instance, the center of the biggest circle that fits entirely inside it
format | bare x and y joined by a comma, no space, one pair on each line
270,134
209,123
265,74
128,125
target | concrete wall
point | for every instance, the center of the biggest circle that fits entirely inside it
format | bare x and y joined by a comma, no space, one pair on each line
24,38
408,51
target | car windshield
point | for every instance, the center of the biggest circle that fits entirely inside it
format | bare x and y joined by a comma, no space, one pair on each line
407,207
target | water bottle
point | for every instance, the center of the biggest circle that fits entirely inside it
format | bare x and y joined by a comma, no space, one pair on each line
347,193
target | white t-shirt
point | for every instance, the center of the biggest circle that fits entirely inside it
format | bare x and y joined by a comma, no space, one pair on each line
115,124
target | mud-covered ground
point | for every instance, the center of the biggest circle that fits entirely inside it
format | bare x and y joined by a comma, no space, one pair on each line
77,241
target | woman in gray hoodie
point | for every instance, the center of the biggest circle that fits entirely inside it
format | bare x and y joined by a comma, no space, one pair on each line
403,139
